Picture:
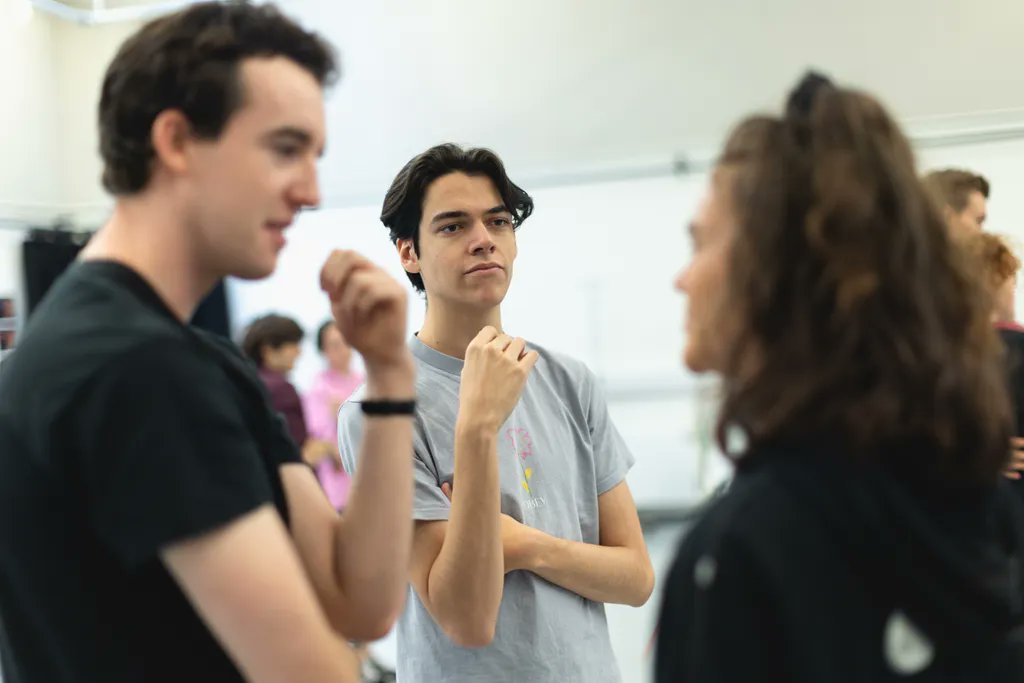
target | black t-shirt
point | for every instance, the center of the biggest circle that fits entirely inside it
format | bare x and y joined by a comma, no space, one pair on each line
121,431
812,568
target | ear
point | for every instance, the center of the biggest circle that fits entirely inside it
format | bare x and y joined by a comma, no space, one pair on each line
170,136
407,254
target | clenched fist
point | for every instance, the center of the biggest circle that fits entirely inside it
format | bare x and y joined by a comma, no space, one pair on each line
493,377
369,307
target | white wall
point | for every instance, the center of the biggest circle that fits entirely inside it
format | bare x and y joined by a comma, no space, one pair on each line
29,146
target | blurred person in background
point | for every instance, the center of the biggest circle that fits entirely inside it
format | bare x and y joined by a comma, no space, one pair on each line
273,343
330,389
997,265
962,196
868,534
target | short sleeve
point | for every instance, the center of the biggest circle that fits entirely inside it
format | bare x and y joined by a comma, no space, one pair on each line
165,452
429,502
612,457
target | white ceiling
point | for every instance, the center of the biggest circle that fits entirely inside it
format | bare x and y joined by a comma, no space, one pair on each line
567,85
570,87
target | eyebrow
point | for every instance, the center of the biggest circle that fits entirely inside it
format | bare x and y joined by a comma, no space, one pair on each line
448,215
293,134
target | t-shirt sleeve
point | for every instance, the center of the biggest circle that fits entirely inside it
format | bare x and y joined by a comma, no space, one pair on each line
429,502
165,451
612,457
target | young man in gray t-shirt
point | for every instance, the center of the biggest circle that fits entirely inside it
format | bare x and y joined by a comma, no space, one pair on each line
524,525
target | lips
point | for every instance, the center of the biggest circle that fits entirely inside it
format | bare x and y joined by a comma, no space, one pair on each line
484,267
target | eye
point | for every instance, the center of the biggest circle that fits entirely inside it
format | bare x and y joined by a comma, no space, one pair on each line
501,222
287,151
449,229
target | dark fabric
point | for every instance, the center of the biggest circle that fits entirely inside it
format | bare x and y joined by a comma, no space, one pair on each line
809,564
212,314
1013,339
45,255
286,401
121,432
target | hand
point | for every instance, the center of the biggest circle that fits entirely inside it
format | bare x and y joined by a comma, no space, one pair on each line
369,307
1016,465
493,378
516,538
315,451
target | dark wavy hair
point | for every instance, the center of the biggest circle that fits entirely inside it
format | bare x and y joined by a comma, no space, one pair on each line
189,61
866,324
403,204
273,331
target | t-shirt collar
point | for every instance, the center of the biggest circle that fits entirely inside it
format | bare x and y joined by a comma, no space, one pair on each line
434,358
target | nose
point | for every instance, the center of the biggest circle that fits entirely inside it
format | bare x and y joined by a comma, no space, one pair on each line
305,193
480,240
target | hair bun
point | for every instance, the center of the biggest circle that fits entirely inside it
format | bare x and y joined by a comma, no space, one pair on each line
801,98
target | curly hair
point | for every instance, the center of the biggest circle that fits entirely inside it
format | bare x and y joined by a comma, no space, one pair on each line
189,61
866,322
994,259
403,203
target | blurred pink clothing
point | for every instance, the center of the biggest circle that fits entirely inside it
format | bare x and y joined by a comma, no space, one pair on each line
329,390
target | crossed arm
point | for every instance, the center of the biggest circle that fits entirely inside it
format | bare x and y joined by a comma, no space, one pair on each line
617,570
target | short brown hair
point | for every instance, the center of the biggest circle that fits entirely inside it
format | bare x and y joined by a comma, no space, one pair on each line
993,257
272,331
189,61
867,325
953,187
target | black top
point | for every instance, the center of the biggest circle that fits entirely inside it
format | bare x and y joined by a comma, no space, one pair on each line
121,431
812,568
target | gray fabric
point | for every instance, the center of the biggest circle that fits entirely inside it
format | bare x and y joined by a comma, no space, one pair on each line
558,452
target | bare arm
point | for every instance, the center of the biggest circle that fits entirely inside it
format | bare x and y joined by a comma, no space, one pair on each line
458,566
618,570
282,635
358,563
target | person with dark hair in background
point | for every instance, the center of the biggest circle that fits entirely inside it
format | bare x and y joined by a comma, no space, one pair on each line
868,534
997,265
272,343
330,389
962,197
525,525
158,523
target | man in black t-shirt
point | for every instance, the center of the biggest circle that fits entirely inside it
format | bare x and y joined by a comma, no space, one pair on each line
158,524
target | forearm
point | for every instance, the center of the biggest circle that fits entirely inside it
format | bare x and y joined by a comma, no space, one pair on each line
599,573
375,533
466,580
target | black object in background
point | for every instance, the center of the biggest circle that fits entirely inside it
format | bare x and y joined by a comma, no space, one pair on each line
45,255
212,314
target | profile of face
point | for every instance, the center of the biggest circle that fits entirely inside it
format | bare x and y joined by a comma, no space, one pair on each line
704,281
971,220
336,350
281,359
241,191
467,243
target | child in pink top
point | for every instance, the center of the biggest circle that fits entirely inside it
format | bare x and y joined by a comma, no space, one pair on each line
328,391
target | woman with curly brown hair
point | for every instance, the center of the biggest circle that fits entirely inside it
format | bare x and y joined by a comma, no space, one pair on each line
868,534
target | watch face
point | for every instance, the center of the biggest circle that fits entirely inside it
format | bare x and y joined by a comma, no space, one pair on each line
7,321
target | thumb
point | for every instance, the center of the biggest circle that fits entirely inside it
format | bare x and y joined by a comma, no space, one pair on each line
446,489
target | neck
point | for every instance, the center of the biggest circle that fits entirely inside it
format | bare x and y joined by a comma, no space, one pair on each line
145,235
449,329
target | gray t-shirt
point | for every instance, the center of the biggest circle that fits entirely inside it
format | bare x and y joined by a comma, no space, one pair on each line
558,452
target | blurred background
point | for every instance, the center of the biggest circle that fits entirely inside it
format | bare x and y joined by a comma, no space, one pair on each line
608,112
